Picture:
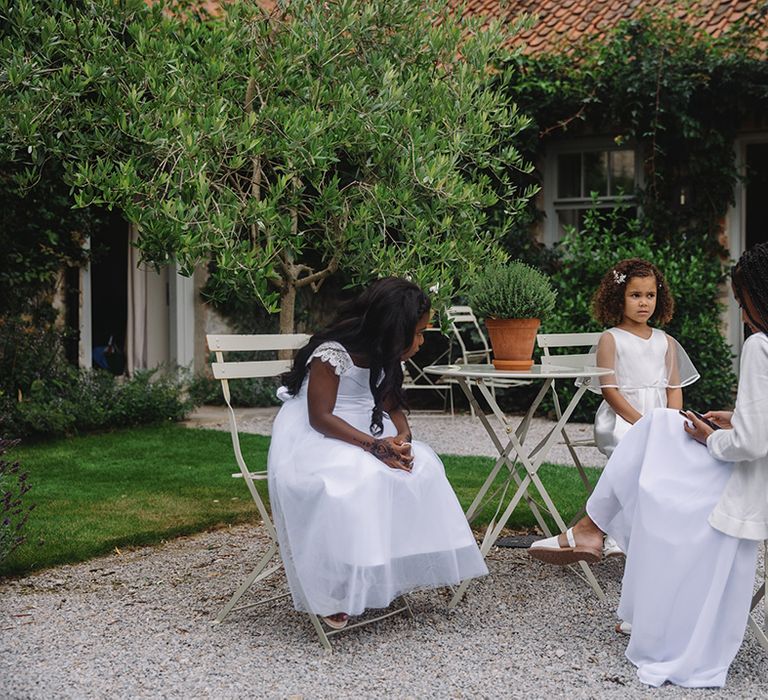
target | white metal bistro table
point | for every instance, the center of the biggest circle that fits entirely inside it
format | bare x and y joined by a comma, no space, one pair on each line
514,449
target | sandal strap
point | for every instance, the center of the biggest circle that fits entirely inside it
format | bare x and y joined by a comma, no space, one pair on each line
569,536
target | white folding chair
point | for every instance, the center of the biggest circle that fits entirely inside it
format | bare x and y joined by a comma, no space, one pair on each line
549,341
473,347
757,625
226,371
414,377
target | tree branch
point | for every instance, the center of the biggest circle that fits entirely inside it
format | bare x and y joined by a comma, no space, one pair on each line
316,278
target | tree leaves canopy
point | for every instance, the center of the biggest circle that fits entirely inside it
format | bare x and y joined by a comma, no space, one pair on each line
365,136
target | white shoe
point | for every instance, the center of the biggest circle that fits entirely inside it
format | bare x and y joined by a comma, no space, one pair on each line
611,549
624,627
549,550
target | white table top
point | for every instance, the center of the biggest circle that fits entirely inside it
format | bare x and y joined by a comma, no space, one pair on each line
535,372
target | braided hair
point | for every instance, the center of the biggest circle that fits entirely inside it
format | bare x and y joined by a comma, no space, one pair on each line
380,325
750,281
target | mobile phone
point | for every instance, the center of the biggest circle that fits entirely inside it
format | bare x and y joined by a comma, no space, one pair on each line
698,415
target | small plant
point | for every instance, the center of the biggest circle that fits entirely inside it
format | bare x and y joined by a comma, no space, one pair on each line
512,290
13,514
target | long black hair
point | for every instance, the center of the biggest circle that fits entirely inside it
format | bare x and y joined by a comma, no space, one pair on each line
750,275
379,324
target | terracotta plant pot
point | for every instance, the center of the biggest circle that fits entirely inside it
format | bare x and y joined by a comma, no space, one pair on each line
512,340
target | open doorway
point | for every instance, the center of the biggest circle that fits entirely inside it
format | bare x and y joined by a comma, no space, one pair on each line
109,294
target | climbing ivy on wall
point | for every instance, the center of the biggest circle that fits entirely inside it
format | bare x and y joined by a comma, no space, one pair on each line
674,91
680,97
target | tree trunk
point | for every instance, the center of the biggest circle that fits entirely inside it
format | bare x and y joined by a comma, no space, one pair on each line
287,311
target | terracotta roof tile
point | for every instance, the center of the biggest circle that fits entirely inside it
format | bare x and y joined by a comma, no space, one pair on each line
576,18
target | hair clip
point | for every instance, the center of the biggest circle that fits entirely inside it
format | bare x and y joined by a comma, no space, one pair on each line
619,277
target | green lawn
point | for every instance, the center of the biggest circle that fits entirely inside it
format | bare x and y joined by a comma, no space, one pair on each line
145,485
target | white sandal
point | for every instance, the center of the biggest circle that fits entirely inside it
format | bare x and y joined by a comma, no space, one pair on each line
611,548
549,550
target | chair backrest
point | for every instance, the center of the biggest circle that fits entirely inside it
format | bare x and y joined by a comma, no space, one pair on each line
548,341
227,370
245,369
463,324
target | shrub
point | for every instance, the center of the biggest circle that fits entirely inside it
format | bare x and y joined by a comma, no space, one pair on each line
75,401
694,275
244,392
251,392
13,513
511,290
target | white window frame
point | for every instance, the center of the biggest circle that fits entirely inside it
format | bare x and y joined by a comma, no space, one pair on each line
552,204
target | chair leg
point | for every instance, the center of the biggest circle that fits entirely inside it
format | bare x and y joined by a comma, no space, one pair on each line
256,575
322,636
761,631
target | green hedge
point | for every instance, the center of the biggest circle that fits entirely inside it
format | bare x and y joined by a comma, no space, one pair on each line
244,392
70,401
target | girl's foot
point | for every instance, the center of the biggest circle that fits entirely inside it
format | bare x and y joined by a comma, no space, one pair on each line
582,542
624,627
337,621
565,549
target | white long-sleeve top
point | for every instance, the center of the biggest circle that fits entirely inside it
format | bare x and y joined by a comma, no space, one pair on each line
743,508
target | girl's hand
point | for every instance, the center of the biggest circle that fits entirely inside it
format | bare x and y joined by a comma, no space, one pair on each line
394,455
401,438
721,418
699,431
404,440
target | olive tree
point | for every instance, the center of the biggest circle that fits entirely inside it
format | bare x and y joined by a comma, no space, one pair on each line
371,136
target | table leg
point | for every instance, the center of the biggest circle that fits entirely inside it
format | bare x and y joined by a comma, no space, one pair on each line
503,452
531,466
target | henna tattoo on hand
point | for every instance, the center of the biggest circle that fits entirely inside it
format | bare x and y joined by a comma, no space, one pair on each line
383,450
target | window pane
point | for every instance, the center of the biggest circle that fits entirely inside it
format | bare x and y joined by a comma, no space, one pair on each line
596,173
622,172
569,175
568,218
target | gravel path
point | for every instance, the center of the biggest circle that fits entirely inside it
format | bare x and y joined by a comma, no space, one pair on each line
138,624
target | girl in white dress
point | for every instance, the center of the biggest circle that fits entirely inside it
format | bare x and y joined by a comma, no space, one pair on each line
689,513
650,367
363,513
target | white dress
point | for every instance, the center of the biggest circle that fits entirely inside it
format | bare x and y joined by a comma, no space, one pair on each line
643,371
687,587
353,532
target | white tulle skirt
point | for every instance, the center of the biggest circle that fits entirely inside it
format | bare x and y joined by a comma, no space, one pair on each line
354,533
687,587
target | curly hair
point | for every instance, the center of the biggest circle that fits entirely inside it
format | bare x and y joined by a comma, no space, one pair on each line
608,300
750,277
